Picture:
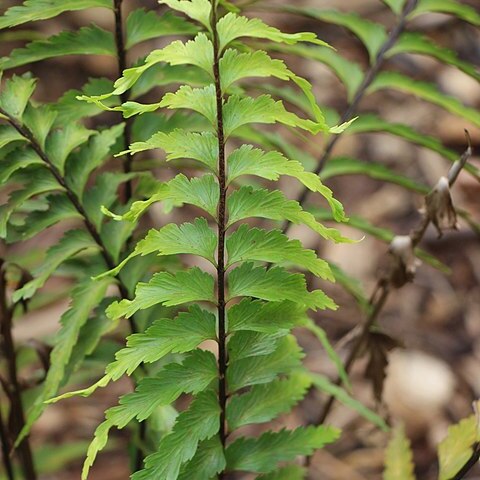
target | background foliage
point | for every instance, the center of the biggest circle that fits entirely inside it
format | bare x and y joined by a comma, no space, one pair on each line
425,134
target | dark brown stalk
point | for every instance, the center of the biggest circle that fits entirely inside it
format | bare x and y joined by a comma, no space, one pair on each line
222,181
471,462
383,289
128,160
27,134
17,415
352,108
122,65
5,443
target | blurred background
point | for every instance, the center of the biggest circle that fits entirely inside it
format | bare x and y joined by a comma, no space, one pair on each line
433,379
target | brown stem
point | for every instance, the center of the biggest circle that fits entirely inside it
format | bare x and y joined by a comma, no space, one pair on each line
122,65
471,462
6,446
222,181
352,108
356,348
17,414
377,301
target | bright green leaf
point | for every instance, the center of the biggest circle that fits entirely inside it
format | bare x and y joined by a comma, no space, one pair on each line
165,336
258,316
275,284
263,454
248,202
190,238
34,10
144,25
202,146
209,460
274,247
91,156
198,10
167,289
264,368
16,93
232,26
199,191
265,402
248,160
200,422
39,120
196,372
61,143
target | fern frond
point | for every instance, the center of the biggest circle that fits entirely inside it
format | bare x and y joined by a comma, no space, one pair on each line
35,10
91,40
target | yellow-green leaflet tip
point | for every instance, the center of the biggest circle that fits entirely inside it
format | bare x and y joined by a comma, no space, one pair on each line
110,214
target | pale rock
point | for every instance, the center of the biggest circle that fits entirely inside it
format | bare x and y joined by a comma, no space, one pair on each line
417,388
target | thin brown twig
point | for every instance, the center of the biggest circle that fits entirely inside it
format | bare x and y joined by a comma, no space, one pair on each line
222,222
470,463
384,286
17,414
6,446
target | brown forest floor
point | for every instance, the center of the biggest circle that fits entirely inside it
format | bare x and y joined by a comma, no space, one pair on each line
434,379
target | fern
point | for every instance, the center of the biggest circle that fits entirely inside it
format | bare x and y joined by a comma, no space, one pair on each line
259,374
398,457
247,293
54,163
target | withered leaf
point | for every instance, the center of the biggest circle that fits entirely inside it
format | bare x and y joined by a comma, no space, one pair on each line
377,346
439,207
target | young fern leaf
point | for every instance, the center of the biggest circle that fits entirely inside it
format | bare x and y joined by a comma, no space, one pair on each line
261,455
197,371
183,334
258,374
457,447
145,25
398,457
